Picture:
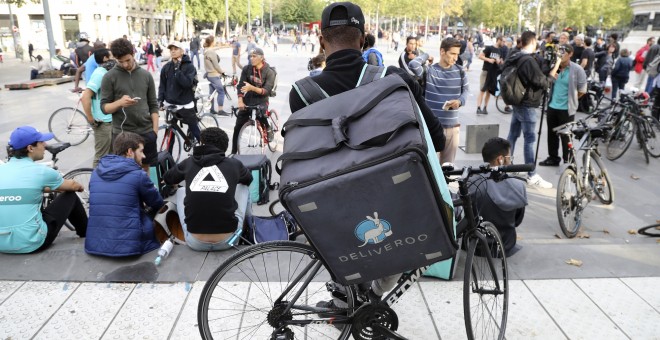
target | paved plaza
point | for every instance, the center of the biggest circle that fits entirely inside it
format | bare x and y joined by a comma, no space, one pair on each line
63,293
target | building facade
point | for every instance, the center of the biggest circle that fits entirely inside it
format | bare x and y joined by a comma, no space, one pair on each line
646,23
71,19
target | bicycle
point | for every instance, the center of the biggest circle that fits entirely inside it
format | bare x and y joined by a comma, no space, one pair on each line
253,136
173,139
207,100
69,124
80,175
652,230
633,122
578,183
286,279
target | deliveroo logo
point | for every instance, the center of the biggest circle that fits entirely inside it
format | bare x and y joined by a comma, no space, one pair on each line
373,230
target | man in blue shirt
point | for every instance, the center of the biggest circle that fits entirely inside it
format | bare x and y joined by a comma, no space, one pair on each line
91,100
26,227
446,91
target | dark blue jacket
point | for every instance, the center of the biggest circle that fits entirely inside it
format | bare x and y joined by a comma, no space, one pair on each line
117,223
622,69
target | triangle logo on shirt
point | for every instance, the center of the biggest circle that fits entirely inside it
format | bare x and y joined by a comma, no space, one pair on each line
209,179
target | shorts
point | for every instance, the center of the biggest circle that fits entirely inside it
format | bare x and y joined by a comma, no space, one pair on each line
482,80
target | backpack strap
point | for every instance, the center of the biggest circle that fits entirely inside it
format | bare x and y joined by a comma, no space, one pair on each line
370,73
309,91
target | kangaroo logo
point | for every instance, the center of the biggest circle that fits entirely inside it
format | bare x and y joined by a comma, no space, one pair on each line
373,230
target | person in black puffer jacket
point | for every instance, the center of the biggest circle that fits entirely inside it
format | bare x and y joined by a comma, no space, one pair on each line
177,82
621,72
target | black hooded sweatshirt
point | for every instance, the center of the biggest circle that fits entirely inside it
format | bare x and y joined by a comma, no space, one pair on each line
531,76
211,181
177,82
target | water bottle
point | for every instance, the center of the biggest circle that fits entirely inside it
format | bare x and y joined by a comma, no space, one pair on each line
164,250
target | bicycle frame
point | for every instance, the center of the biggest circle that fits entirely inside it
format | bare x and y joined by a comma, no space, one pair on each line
171,128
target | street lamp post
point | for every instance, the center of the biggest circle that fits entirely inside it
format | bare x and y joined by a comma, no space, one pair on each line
185,21
49,28
13,33
249,23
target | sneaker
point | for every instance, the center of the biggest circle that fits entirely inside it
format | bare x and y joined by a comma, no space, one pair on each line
484,111
327,305
537,181
223,113
478,110
550,162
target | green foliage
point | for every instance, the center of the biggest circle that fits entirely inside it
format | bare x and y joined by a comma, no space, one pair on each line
298,11
19,3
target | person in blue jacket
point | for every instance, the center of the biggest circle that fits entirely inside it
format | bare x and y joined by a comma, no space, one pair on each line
119,192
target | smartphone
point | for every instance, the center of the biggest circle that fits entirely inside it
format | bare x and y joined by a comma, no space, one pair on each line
136,98
446,107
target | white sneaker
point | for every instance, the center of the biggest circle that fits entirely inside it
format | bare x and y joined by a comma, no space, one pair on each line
537,181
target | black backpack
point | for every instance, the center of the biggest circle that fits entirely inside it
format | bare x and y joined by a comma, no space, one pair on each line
512,90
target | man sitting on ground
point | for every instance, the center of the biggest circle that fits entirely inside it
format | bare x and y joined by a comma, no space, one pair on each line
501,203
118,193
216,198
25,226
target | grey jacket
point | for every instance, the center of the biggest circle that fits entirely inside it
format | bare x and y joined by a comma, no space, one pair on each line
577,82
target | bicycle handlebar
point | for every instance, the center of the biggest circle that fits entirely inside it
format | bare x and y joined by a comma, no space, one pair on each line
487,168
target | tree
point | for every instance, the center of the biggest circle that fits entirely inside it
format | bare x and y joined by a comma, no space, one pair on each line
299,11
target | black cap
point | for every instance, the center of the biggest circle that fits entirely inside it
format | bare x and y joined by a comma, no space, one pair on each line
342,14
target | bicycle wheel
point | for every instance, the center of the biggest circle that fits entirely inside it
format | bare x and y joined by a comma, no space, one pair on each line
82,176
207,120
620,139
485,285
250,139
652,140
499,103
170,141
650,230
599,179
273,121
239,300
69,125
569,207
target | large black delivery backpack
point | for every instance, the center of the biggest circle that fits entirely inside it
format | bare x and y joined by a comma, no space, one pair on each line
357,177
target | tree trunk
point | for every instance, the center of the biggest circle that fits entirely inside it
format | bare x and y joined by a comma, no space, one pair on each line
172,29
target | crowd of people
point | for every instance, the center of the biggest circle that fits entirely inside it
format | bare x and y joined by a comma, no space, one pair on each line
122,103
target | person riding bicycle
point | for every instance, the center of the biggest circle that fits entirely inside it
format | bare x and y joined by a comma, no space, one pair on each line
25,225
342,38
177,87
503,202
257,80
216,198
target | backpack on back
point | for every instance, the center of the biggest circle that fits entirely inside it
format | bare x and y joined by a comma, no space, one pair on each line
653,68
512,90
362,179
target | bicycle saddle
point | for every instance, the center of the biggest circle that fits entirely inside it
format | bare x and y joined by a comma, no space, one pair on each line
599,131
56,148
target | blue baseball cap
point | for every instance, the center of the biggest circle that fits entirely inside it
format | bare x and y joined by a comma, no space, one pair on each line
26,135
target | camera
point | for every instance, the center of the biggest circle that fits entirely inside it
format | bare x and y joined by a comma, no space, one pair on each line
552,50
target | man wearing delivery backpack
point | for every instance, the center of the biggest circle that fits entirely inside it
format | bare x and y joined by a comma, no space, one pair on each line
342,37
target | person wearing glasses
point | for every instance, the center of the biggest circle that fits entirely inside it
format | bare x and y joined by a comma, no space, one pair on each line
254,86
502,202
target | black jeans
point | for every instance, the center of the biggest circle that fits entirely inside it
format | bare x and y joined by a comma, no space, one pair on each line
66,206
655,111
556,118
189,117
241,118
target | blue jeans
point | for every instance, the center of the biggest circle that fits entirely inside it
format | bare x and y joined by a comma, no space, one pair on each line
649,85
194,54
524,118
216,84
242,197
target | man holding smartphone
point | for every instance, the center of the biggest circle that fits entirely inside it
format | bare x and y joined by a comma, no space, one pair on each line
446,91
128,93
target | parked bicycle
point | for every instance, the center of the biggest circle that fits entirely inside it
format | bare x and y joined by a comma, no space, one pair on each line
634,121
270,290
254,136
69,124
578,183
171,136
